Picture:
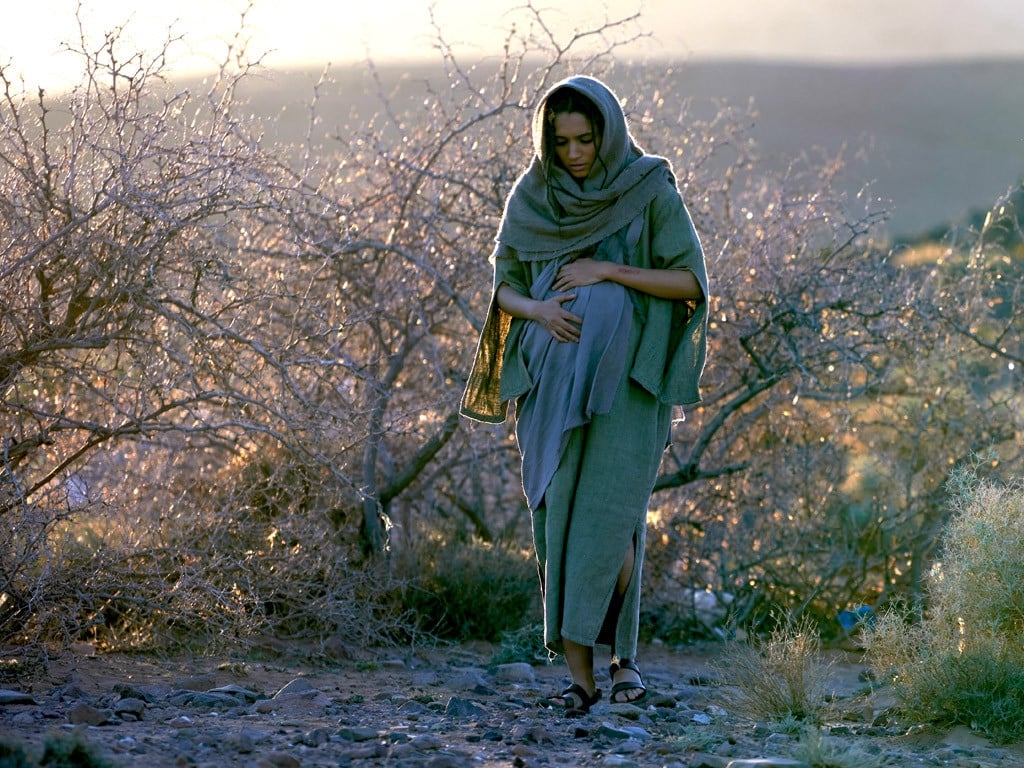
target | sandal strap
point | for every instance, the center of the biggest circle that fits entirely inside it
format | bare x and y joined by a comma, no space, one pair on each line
623,664
579,692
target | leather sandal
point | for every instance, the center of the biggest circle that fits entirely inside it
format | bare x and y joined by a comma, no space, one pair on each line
574,701
628,685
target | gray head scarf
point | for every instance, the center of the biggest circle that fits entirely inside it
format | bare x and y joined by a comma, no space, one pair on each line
549,214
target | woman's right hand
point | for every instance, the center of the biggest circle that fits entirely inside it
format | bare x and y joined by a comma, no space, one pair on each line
562,324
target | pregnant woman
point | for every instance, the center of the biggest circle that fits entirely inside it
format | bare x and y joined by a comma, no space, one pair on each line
596,329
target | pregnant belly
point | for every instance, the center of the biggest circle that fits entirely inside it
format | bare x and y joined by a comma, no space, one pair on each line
600,305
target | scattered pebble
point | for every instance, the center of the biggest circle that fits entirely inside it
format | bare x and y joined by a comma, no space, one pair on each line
399,715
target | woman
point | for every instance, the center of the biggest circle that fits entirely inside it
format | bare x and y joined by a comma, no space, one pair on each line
596,329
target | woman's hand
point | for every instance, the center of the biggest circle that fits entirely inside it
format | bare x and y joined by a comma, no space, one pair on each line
562,324
581,272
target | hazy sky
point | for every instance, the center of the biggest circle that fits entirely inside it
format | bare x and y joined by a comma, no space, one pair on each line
296,32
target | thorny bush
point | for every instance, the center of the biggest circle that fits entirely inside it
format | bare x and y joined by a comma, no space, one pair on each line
232,348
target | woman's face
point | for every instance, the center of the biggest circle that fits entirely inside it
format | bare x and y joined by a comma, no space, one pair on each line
575,144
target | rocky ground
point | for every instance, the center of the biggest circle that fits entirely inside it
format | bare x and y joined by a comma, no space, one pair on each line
446,707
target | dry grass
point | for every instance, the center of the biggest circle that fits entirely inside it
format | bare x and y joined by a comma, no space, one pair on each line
779,678
819,751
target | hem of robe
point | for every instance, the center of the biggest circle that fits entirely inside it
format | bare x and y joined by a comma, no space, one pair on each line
627,625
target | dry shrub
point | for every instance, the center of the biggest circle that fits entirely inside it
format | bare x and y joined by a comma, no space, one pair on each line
238,563
778,678
963,662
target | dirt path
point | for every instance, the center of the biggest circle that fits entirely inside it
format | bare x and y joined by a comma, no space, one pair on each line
442,707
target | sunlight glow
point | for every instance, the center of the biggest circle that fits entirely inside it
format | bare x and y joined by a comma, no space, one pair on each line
318,32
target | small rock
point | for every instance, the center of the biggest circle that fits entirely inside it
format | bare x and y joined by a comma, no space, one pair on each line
537,734
468,680
203,682
238,692
244,743
82,713
518,672
610,731
660,700
15,697
617,761
424,679
133,707
701,718
426,742
365,753
635,732
357,733
203,700
299,685
316,737
704,760
181,721
298,697
623,732
402,751
457,707
282,760
148,693
451,761
522,750
768,762
625,710
255,734
628,747
778,742
412,707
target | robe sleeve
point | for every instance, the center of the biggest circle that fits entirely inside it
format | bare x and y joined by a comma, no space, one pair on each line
482,399
673,346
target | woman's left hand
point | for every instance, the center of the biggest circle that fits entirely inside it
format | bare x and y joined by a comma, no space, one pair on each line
578,273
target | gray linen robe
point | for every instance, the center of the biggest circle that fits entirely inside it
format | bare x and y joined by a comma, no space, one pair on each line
596,499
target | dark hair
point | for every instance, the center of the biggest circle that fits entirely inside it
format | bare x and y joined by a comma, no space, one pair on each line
564,101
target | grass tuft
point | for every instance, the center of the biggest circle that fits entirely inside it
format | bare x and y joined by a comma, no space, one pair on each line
819,751
779,678
71,751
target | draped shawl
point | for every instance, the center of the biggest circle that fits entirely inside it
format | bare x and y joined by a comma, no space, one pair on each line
548,214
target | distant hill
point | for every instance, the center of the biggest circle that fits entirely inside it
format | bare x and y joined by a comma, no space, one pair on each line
942,139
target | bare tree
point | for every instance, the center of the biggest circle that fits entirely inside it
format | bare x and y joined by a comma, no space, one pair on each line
231,366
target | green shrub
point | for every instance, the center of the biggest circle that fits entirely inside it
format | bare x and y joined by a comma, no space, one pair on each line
525,645
473,591
12,754
963,663
63,751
